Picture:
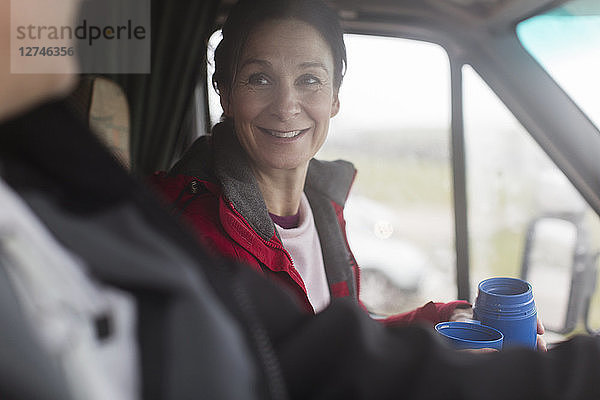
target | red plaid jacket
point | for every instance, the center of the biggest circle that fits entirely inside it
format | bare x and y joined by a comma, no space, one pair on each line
215,192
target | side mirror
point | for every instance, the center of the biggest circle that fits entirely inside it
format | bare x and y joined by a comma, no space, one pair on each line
594,330
560,264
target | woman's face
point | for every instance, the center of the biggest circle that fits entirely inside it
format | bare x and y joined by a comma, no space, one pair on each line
283,95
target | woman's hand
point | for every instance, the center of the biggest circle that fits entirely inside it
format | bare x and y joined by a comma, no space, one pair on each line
541,343
461,314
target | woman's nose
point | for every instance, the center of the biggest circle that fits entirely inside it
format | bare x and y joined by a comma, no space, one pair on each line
286,103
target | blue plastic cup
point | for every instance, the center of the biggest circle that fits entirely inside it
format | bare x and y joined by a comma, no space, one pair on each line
470,335
507,304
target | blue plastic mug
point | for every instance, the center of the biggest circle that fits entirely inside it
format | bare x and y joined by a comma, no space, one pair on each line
470,335
507,304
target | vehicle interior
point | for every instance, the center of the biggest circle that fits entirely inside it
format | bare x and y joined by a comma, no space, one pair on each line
471,125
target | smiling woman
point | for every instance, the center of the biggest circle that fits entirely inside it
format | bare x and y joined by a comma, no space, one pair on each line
252,189
288,59
281,103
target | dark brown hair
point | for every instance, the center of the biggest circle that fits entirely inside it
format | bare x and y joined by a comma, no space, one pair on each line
246,15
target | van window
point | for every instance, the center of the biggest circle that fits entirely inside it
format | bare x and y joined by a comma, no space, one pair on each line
511,182
565,42
394,125
214,106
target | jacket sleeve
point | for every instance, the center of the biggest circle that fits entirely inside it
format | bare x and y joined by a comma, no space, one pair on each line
431,312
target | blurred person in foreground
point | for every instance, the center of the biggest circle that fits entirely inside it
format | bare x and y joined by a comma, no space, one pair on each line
103,295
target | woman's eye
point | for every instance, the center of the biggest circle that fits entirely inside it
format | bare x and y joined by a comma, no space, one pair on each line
258,80
309,80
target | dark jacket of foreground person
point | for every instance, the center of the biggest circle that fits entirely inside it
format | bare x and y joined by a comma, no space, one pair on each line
210,329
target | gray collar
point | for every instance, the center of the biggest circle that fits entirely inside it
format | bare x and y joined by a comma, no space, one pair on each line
331,179
233,171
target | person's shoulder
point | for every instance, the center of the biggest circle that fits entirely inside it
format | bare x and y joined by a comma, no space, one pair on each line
197,160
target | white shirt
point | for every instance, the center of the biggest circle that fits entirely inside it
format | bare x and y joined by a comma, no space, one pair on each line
67,307
303,245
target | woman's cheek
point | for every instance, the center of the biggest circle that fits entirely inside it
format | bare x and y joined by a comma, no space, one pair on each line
319,104
250,103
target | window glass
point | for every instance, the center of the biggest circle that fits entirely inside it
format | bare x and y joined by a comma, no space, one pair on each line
565,41
214,106
511,184
394,125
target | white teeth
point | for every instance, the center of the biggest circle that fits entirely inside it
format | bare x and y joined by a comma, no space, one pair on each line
288,135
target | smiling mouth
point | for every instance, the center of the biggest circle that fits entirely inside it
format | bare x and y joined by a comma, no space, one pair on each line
283,134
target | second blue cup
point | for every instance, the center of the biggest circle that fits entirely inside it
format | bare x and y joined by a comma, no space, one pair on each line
507,304
470,335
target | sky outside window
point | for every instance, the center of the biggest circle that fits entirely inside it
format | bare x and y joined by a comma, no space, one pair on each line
566,42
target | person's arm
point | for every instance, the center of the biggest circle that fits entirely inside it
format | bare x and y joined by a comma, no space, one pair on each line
341,353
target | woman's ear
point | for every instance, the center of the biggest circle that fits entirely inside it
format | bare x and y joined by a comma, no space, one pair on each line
335,105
